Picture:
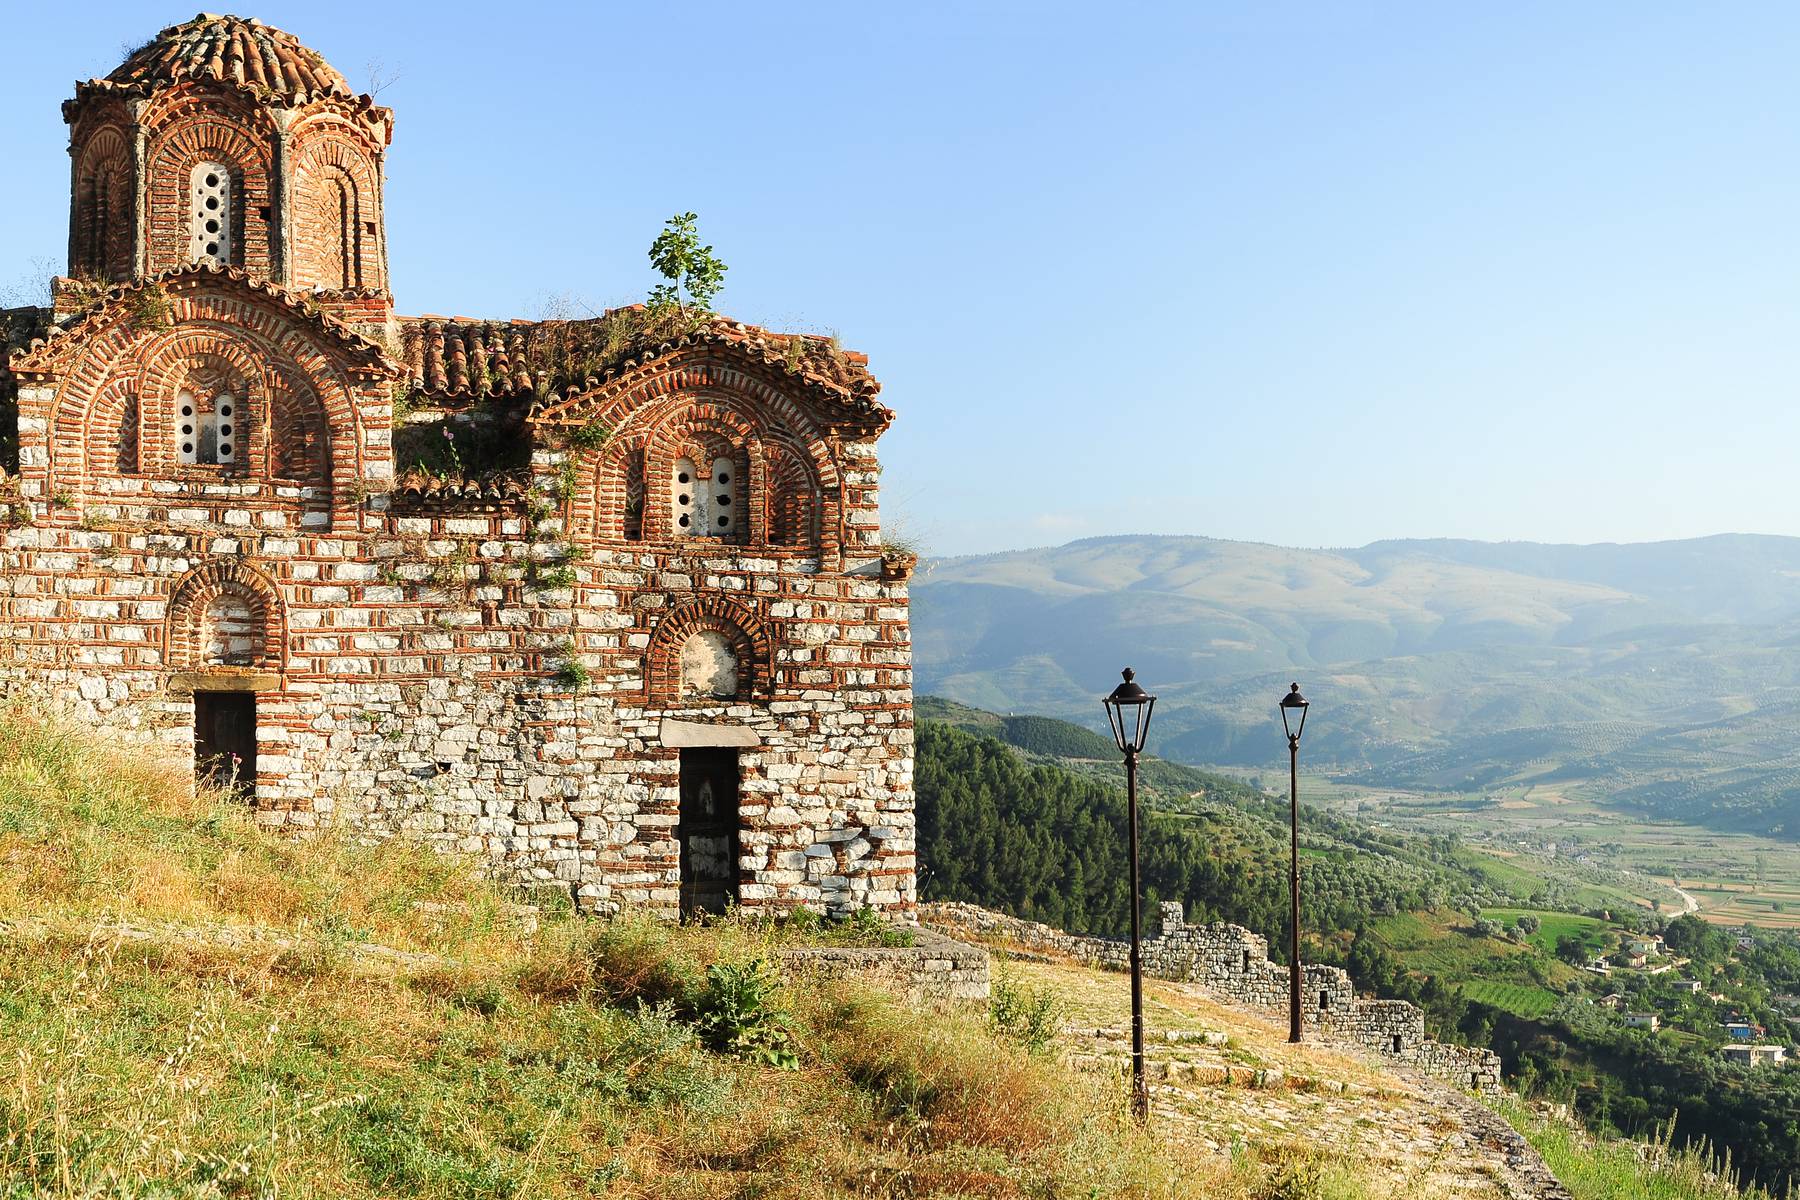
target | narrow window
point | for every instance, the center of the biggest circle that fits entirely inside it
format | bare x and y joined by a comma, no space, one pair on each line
634,496
1324,1000
724,510
205,434
99,232
1246,962
1397,1043
209,222
687,510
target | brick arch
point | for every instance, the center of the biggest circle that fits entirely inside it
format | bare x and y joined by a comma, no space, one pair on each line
299,435
792,496
337,218
290,382
746,633
171,363
691,407
101,228
615,500
209,133
184,648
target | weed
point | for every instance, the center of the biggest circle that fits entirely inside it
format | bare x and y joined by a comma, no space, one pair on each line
556,578
149,310
738,1013
590,436
1032,1017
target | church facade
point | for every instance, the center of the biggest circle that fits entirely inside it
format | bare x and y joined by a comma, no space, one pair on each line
604,602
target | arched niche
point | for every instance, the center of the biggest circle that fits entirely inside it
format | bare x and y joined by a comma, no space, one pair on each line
708,651
224,614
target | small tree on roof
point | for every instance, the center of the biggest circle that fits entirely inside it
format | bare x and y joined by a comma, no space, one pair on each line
688,266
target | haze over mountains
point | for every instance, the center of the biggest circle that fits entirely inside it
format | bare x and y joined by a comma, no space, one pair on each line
1664,675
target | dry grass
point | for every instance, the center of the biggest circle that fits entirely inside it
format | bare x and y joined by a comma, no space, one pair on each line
556,1065
88,830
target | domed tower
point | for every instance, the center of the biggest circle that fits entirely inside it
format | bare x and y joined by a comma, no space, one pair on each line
226,141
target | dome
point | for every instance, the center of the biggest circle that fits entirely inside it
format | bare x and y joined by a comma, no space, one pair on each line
237,52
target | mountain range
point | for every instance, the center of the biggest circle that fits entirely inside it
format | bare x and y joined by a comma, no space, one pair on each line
1663,675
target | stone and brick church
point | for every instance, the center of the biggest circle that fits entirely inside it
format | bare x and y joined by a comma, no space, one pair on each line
605,601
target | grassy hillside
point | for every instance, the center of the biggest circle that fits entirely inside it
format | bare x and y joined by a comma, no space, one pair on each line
194,1007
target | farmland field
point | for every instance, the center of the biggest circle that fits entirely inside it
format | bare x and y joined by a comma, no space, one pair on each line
1524,999
1554,925
1603,858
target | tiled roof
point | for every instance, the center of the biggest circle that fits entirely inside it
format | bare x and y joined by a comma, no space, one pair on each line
41,353
482,491
19,328
234,51
456,359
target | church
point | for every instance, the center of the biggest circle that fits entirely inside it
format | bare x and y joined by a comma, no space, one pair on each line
604,602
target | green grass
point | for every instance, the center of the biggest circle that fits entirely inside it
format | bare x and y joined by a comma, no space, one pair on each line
1554,925
1597,1169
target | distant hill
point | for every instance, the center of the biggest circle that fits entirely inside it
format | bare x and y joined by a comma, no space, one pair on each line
1664,675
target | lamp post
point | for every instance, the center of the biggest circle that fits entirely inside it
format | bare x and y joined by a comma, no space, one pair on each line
1128,712
1293,720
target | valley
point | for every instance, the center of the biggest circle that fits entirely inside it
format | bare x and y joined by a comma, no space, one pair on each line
1730,878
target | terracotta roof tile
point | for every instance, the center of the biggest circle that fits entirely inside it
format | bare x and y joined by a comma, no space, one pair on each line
235,51
456,359
497,491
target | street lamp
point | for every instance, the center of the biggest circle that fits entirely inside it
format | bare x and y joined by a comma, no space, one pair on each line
1128,712
1293,720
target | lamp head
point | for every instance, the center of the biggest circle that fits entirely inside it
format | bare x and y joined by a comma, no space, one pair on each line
1128,713
1293,712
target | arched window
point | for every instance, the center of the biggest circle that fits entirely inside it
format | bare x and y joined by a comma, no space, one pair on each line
634,496
206,428
209,213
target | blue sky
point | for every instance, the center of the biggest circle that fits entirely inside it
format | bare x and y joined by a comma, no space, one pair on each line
1308,274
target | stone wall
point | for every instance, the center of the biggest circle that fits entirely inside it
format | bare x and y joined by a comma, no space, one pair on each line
934,967
1233,962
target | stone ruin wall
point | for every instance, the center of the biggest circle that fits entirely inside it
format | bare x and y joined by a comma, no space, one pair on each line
933,968
1233,962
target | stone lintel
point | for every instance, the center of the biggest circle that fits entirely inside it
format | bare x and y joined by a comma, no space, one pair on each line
702,733
187,682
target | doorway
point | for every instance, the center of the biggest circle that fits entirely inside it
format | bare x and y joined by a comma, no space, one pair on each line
225,741
707,830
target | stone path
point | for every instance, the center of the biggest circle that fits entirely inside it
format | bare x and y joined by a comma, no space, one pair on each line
1224,1078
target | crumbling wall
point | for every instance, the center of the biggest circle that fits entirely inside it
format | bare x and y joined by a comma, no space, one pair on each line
1233,962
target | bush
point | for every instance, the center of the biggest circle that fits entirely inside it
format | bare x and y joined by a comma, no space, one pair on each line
1031,1017
738,1013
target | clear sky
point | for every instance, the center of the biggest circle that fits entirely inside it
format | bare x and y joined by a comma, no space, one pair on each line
1308,274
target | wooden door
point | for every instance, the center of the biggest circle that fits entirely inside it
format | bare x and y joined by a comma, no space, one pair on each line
225,740
707,830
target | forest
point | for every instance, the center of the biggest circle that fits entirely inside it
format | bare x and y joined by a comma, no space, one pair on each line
1048,844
